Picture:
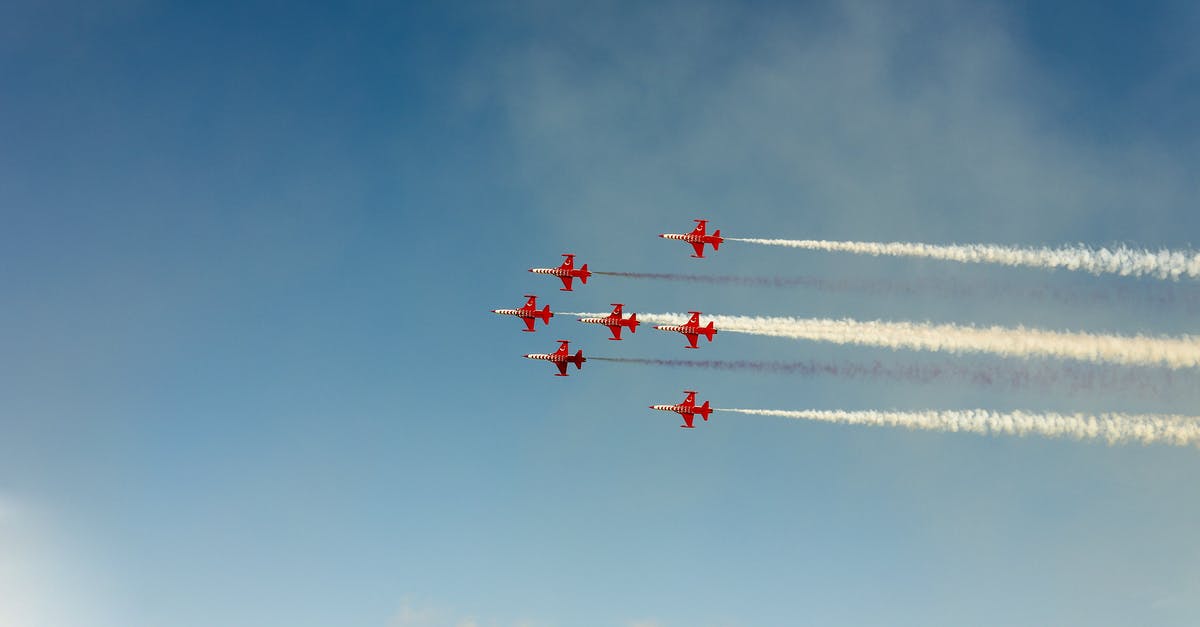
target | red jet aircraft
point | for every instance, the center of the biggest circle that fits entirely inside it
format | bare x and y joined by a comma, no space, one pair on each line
561,358
566,272
614,322
687,409
698,239
528,313
692,329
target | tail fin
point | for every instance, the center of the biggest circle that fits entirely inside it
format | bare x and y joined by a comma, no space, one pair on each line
585,274
704,410
546,315
579,359
717,242
633,323
709,331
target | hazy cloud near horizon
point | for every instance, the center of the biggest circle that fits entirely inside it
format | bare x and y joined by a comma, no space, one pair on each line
44,581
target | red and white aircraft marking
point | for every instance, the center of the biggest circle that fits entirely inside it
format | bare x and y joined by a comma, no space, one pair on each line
566,272
687,409
528,313
614,322
697,238
561,357
692,330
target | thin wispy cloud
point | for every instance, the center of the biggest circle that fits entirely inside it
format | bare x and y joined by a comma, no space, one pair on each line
43,582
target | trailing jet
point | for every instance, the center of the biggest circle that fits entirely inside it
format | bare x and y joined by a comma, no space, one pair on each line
566,272
528,313
561,357
697,238
614,322
692,330
687,409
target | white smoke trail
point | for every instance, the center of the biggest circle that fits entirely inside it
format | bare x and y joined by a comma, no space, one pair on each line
1163,264
1131,350
1112,428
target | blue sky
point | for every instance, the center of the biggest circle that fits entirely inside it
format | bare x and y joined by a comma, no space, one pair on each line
248,251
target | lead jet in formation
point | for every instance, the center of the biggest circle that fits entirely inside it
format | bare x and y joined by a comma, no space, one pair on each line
528,313
566,272
698,238
614,321
561,357
692,330
687,409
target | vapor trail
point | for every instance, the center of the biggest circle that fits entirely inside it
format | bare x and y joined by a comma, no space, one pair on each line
1150,293
1163,264
1069,377
725,279
1137,350
1112,428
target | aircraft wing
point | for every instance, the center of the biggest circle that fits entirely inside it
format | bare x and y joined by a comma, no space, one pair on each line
562,368
566,283
616,331
699,247
688,418
529,323
692,337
